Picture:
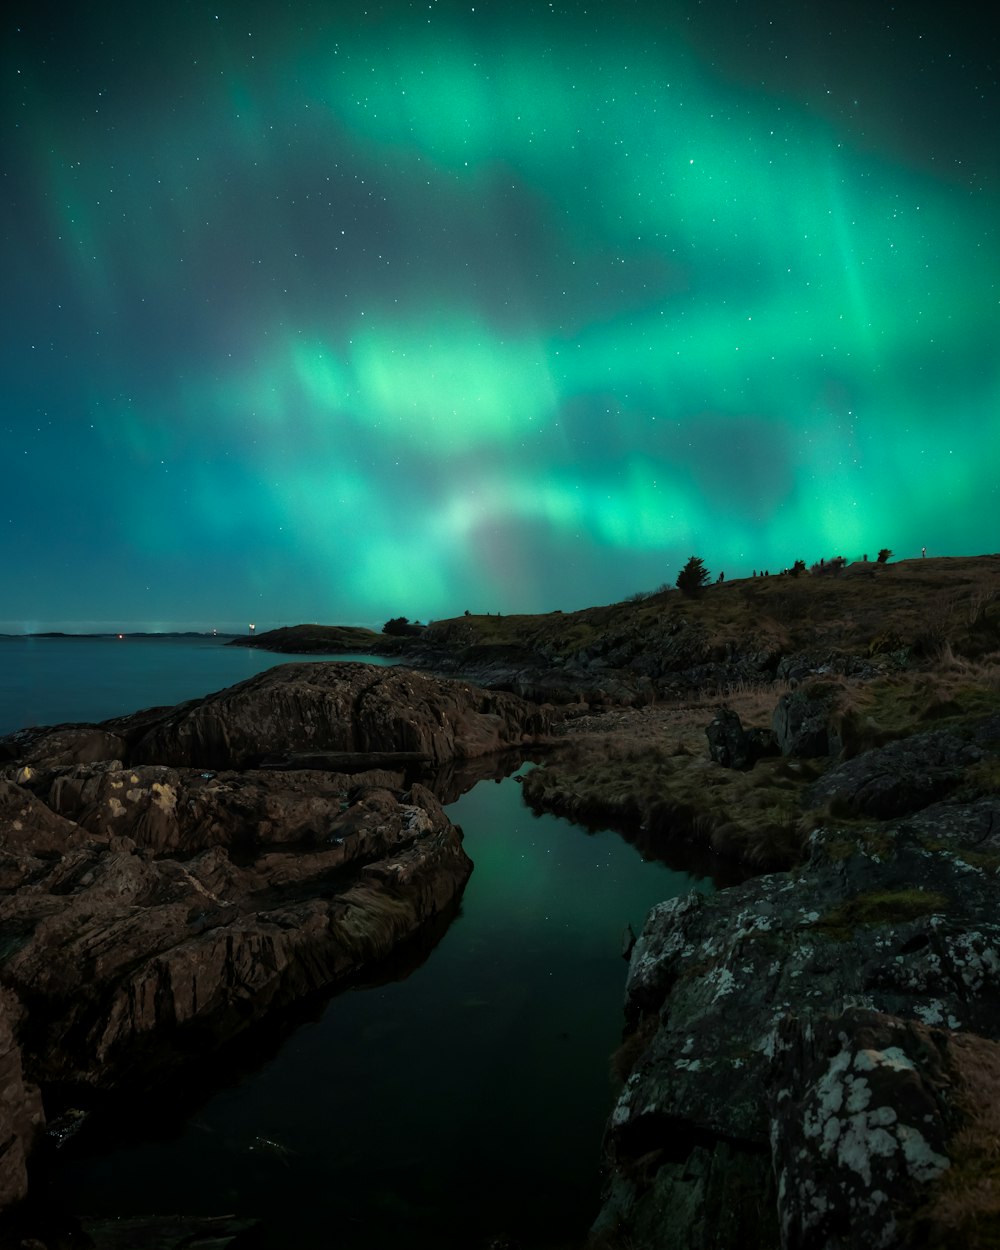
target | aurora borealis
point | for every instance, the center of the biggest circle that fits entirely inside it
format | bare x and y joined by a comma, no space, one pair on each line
336,313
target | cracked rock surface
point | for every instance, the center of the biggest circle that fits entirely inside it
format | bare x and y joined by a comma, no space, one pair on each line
807,1036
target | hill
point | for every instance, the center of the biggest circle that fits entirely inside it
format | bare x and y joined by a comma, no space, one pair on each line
864,620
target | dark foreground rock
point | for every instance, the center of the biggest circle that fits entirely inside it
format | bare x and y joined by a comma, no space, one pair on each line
813,1050
153,908
899,778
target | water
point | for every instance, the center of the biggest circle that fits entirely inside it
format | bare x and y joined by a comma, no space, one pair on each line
465,1101
48,681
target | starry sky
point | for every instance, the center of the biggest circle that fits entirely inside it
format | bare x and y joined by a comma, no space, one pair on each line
319,312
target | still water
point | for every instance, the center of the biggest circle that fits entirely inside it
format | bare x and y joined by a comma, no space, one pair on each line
463,1102
48,681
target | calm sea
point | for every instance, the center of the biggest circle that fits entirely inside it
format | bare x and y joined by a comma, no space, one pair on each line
463,1102
48,681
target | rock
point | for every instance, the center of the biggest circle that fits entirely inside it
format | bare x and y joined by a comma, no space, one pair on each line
132,960
21,1116
338,707
166,810
74,744
898,778
154,903
975,825
801,722
732,746
170,1232
729,994
863,1113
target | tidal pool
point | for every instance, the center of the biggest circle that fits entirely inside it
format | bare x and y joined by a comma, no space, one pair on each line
463,1102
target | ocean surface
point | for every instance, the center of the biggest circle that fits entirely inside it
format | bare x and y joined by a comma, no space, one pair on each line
49,681
461,1100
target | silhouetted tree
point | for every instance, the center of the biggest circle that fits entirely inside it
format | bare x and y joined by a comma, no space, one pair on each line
693,577
400,627
798,567
884,555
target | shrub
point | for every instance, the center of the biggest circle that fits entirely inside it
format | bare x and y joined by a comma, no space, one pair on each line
884,555
829,566
401,627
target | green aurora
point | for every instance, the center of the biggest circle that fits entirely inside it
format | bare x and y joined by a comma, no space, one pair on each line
434,307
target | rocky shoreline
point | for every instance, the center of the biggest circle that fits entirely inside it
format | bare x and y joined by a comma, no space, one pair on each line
810,1055
162,891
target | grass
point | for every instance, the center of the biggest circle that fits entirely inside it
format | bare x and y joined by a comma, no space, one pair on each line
671,788
881,907
963,1206
923,605
650,768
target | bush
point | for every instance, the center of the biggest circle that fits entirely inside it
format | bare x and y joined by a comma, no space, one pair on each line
693,576
884,555
400,627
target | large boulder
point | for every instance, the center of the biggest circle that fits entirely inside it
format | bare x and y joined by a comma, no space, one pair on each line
802,722
292,713
874,1120
732,746
317,706
896,779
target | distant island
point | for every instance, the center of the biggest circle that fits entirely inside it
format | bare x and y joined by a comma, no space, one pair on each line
125,633
313,640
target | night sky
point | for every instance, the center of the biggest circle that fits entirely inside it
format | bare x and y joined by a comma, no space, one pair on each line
319,312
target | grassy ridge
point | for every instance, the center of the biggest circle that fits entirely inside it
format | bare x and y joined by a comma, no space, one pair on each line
919,604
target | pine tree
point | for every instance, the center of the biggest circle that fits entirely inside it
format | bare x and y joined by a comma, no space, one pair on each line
692,578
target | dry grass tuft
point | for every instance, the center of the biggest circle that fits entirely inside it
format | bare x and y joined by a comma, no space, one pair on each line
964,1206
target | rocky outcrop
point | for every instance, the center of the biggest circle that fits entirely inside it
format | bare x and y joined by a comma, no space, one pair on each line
874,1122
896,779
802,722
816,1027
334,707
154,904
732,746
129,955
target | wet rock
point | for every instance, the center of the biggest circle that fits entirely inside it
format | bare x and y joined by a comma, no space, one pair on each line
132,960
